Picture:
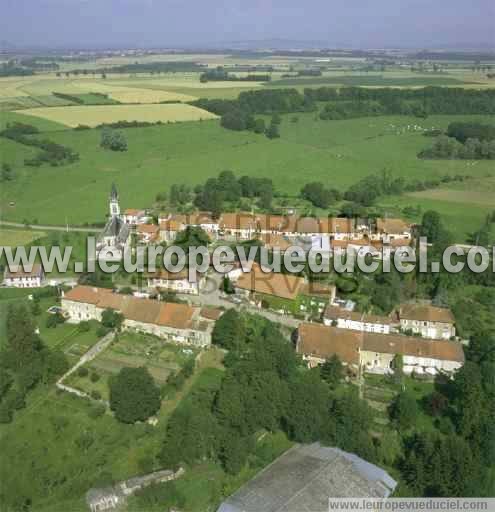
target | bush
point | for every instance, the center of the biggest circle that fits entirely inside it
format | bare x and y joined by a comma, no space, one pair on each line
82,372
94,377
84,326
96,395
96,410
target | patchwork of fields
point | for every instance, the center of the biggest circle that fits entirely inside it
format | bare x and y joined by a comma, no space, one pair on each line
94,115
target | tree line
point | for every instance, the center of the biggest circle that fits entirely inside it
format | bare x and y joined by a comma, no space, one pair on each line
51,152
225,190
220,74
25,361
465,141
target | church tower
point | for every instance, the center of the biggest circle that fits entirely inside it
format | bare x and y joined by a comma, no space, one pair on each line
114,202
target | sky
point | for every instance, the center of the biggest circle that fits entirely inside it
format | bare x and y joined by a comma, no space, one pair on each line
166,23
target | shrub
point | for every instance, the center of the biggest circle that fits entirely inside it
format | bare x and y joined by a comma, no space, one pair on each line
82,371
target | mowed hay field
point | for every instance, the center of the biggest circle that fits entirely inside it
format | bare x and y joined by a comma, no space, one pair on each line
94,115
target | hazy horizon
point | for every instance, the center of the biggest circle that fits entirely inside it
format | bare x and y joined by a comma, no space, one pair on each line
195,23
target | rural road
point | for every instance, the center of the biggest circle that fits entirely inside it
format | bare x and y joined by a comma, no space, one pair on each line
210,296
48,228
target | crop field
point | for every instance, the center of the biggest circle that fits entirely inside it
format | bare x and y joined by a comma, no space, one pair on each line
93,115
336,152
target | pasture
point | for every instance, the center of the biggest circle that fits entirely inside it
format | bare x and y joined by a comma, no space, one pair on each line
18,237
94,115
338,153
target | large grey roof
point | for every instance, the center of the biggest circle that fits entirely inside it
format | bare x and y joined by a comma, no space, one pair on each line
116,227
305,477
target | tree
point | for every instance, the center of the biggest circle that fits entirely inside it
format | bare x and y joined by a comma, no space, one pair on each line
318,195
331,371
112,319
433,229
266,198
404,410
113,140
229,331
272,131
134,395
259,126
7,173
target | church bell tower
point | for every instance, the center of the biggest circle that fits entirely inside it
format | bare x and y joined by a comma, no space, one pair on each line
114,202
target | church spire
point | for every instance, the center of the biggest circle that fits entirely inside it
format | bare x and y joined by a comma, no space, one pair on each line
114,202
114,195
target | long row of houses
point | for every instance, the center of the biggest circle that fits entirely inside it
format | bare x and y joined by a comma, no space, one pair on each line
276,231
179,323
362,351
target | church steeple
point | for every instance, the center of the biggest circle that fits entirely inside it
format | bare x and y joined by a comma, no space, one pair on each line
114,202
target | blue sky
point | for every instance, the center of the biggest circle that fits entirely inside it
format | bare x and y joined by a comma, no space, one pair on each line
350,23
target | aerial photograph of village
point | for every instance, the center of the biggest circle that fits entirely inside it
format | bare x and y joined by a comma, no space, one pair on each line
247,256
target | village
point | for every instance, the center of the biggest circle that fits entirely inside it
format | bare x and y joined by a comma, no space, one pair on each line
324,324
319,322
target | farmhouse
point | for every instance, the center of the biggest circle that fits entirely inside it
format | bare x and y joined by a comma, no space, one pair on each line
173,281
374,353
390,229
133,217
345,319
426,320
174,322
305,477
240,226
115,238
171,224
147,233
20,277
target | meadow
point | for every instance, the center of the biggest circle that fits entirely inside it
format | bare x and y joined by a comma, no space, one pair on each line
18,237
94,115
338,153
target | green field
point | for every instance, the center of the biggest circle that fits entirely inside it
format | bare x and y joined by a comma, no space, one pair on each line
336,152
365,80
17,237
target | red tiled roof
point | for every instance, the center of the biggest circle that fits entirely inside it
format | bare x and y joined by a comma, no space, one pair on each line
425,313
321,341
285,286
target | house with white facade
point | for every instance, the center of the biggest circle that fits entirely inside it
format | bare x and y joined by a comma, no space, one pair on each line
177,282
345,319
148,233
362,351
428,321
22,277
133,216
178,323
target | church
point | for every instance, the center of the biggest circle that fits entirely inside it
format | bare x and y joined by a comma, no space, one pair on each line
115,239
